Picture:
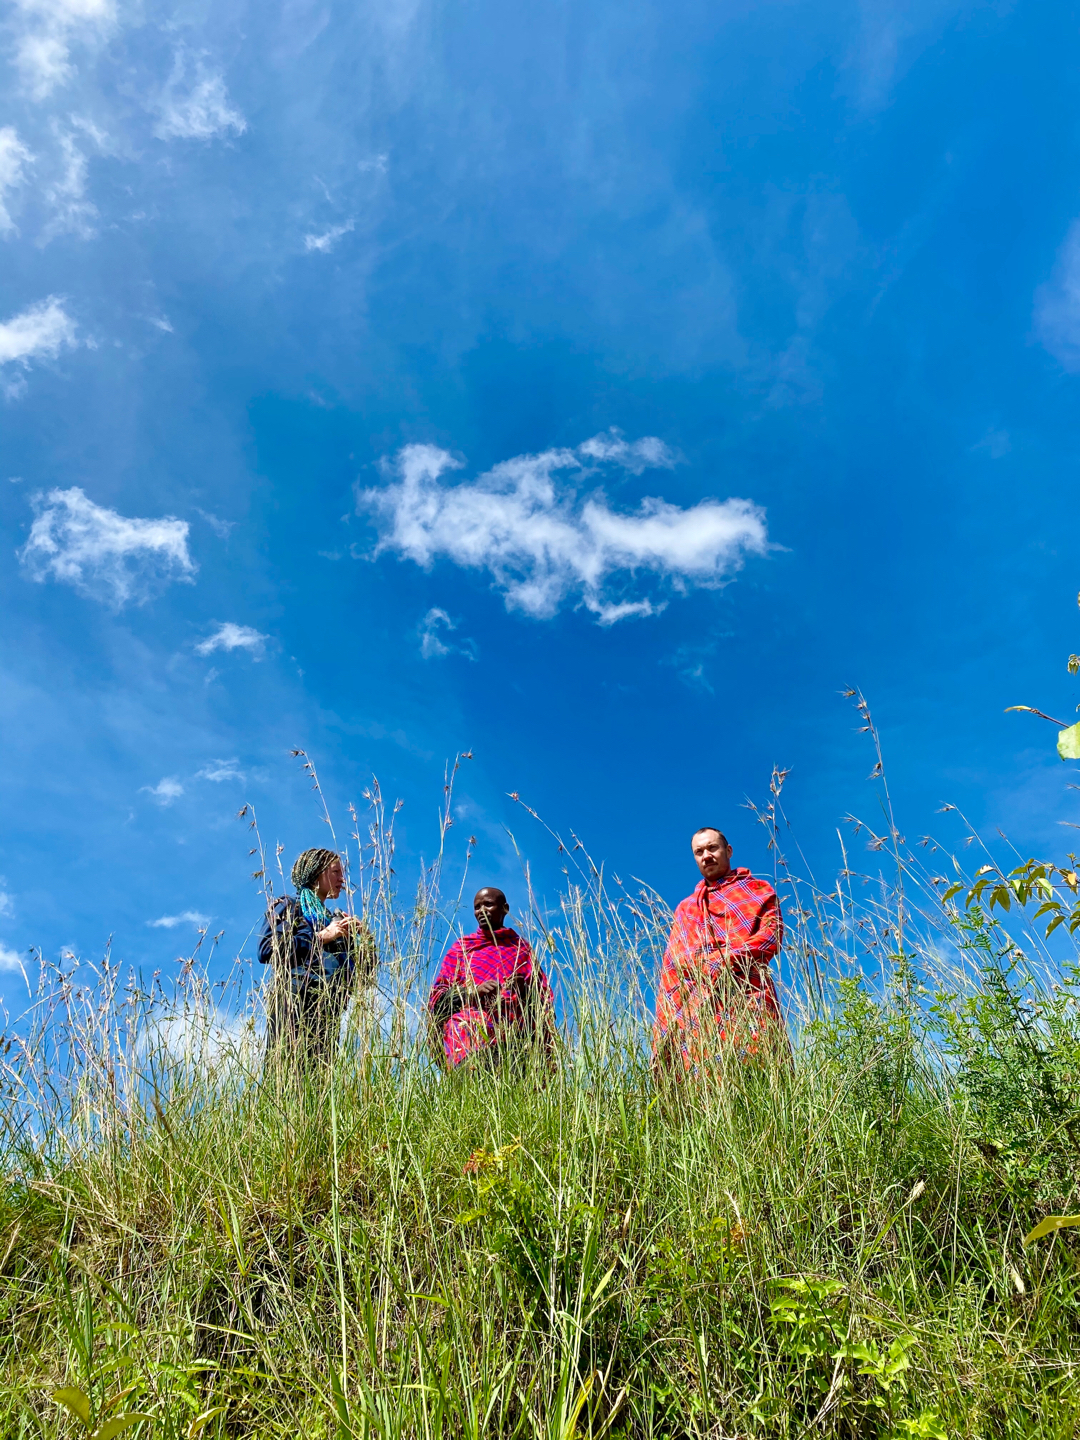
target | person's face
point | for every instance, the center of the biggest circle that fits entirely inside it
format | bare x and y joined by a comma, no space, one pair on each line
490,909
712,853
330,880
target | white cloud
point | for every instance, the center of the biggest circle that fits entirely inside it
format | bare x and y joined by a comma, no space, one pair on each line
193,1037
378,163
161,322
187,917
49,28
432,646
648,453
66,196
219,770
7,905
1057,304
325,242
13,157
42,330
101,552
166,790
11,959
232,637
544,544
221,528
198,113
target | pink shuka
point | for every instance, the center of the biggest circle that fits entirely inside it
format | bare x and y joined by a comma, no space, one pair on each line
468,1023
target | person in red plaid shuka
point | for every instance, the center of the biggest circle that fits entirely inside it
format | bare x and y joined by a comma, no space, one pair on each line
716,993
490,999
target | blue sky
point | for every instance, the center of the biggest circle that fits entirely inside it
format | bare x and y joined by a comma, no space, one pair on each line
600,389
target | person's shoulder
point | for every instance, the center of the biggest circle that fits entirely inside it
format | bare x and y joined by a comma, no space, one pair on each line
754,883
280,904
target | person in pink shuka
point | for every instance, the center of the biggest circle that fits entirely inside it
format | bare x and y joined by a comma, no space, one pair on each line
489,998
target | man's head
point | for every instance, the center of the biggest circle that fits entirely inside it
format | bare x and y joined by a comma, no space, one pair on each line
319,870
712,852
490,909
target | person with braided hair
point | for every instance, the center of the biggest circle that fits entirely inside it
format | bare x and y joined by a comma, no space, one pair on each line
317,956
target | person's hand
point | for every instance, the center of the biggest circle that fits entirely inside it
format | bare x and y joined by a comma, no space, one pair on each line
339,928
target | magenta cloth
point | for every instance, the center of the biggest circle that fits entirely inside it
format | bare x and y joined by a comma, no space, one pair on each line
473,960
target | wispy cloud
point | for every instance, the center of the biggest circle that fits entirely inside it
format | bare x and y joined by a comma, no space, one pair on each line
101,552
690,662
435,625
41,331
165,791
193,1037
186,917
47,29
219,770
11,959
328,239
232,637
636,456
544,544
221,528
14,157
1057,304
196,110
72,212
994,443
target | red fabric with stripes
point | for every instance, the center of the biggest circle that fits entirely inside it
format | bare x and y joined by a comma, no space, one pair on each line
475,959
715,985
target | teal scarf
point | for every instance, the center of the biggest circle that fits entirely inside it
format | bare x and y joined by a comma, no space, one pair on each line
313,909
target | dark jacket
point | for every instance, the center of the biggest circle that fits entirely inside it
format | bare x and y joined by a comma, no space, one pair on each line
288,937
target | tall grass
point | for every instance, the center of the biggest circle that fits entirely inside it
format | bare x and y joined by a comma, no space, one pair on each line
828,1248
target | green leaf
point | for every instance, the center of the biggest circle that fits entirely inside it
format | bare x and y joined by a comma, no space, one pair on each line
1049,907
603,1283
202,1420
1069,742
1049,1225
121,1423
76,1401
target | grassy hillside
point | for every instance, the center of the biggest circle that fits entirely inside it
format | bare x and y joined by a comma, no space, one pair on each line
829,1249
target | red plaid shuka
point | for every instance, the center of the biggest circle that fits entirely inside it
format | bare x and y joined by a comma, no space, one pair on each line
523,1004
715,986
